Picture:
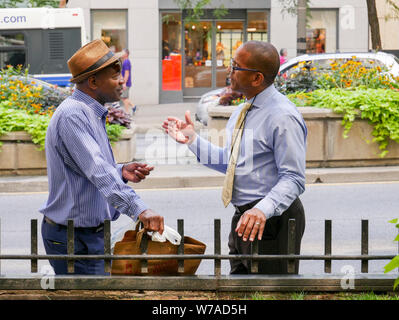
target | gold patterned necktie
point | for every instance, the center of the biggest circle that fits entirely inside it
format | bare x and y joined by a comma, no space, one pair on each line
235,148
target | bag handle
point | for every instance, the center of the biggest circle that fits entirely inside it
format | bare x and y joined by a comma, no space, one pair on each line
139,237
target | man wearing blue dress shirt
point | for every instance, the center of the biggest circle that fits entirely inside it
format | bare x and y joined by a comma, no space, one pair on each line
270,169
86,185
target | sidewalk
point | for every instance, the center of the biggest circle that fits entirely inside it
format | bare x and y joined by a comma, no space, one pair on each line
197,176
188,173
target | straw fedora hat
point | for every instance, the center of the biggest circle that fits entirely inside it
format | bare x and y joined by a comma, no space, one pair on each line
90,59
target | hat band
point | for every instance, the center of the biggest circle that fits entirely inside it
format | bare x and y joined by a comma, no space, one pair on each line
97,64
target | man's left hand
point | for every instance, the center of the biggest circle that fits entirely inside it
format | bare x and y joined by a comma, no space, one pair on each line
135,172
251,223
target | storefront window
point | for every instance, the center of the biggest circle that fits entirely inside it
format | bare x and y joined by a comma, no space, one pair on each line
257,26
321,34
171,52
110,26
12,50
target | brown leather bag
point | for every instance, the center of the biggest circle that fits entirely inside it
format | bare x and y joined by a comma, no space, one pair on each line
130,244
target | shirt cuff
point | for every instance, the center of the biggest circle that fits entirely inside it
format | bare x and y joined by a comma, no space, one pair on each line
267,207
194,145
137,208
119,167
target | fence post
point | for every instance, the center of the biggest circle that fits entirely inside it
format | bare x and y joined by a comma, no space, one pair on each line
217,247
107,245
365,244
291,245
180,249
71,246
144,249
33,245
255,252
327,245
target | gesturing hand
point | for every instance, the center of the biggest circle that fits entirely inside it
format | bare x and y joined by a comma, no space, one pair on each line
252,222
182,132
135,172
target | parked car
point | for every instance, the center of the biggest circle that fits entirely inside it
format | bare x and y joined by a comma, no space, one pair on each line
61,92
223,96
323,60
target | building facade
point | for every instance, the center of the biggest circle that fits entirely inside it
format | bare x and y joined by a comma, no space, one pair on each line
175,60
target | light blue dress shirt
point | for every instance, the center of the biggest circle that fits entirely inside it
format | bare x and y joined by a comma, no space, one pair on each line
85,183
272,160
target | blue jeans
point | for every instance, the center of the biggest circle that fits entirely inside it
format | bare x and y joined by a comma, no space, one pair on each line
87,241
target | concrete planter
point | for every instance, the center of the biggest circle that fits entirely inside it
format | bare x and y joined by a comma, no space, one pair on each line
19,156
326,146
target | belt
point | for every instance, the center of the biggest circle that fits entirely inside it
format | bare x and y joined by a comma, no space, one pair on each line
92,229
241,209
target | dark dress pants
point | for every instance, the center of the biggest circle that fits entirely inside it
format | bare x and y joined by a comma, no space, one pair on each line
88,241
274,241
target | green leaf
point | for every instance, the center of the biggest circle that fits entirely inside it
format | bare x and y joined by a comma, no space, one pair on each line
393,264
396,283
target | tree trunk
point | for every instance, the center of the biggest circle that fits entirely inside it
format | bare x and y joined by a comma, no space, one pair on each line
374,25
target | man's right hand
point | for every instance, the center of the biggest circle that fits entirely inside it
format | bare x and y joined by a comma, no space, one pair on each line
152,221
182,132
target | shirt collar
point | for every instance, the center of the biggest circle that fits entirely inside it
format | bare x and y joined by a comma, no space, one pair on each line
262,96
93,104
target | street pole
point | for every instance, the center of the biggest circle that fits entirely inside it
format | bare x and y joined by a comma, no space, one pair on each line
301,27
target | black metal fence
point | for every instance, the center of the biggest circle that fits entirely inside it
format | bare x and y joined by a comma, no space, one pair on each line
296,282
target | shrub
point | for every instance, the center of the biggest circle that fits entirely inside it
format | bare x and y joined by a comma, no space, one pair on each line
394,263
379,106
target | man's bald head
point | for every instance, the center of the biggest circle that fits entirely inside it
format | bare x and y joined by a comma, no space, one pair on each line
263,57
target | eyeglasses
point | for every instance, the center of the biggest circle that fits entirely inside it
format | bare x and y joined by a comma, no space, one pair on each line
235,68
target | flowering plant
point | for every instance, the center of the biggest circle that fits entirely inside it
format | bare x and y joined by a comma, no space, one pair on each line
302,78
354,73
27,93
116,115
27,104
349,74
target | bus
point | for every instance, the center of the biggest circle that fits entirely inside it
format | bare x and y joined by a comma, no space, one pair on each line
42,40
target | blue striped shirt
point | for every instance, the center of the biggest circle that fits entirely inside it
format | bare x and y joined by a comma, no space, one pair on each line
272,160
85,183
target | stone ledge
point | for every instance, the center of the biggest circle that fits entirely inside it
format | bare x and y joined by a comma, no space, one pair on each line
20,156
326,146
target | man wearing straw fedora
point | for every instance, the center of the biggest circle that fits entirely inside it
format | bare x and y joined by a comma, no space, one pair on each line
85,183
263,159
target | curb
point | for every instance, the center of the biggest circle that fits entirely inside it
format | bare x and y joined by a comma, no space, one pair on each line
171,179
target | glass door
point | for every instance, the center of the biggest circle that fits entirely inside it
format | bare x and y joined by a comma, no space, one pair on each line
209,45
198,57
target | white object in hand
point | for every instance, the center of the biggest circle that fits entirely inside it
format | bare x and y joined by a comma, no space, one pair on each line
168,234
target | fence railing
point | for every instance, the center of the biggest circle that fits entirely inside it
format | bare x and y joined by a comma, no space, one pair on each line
217,256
